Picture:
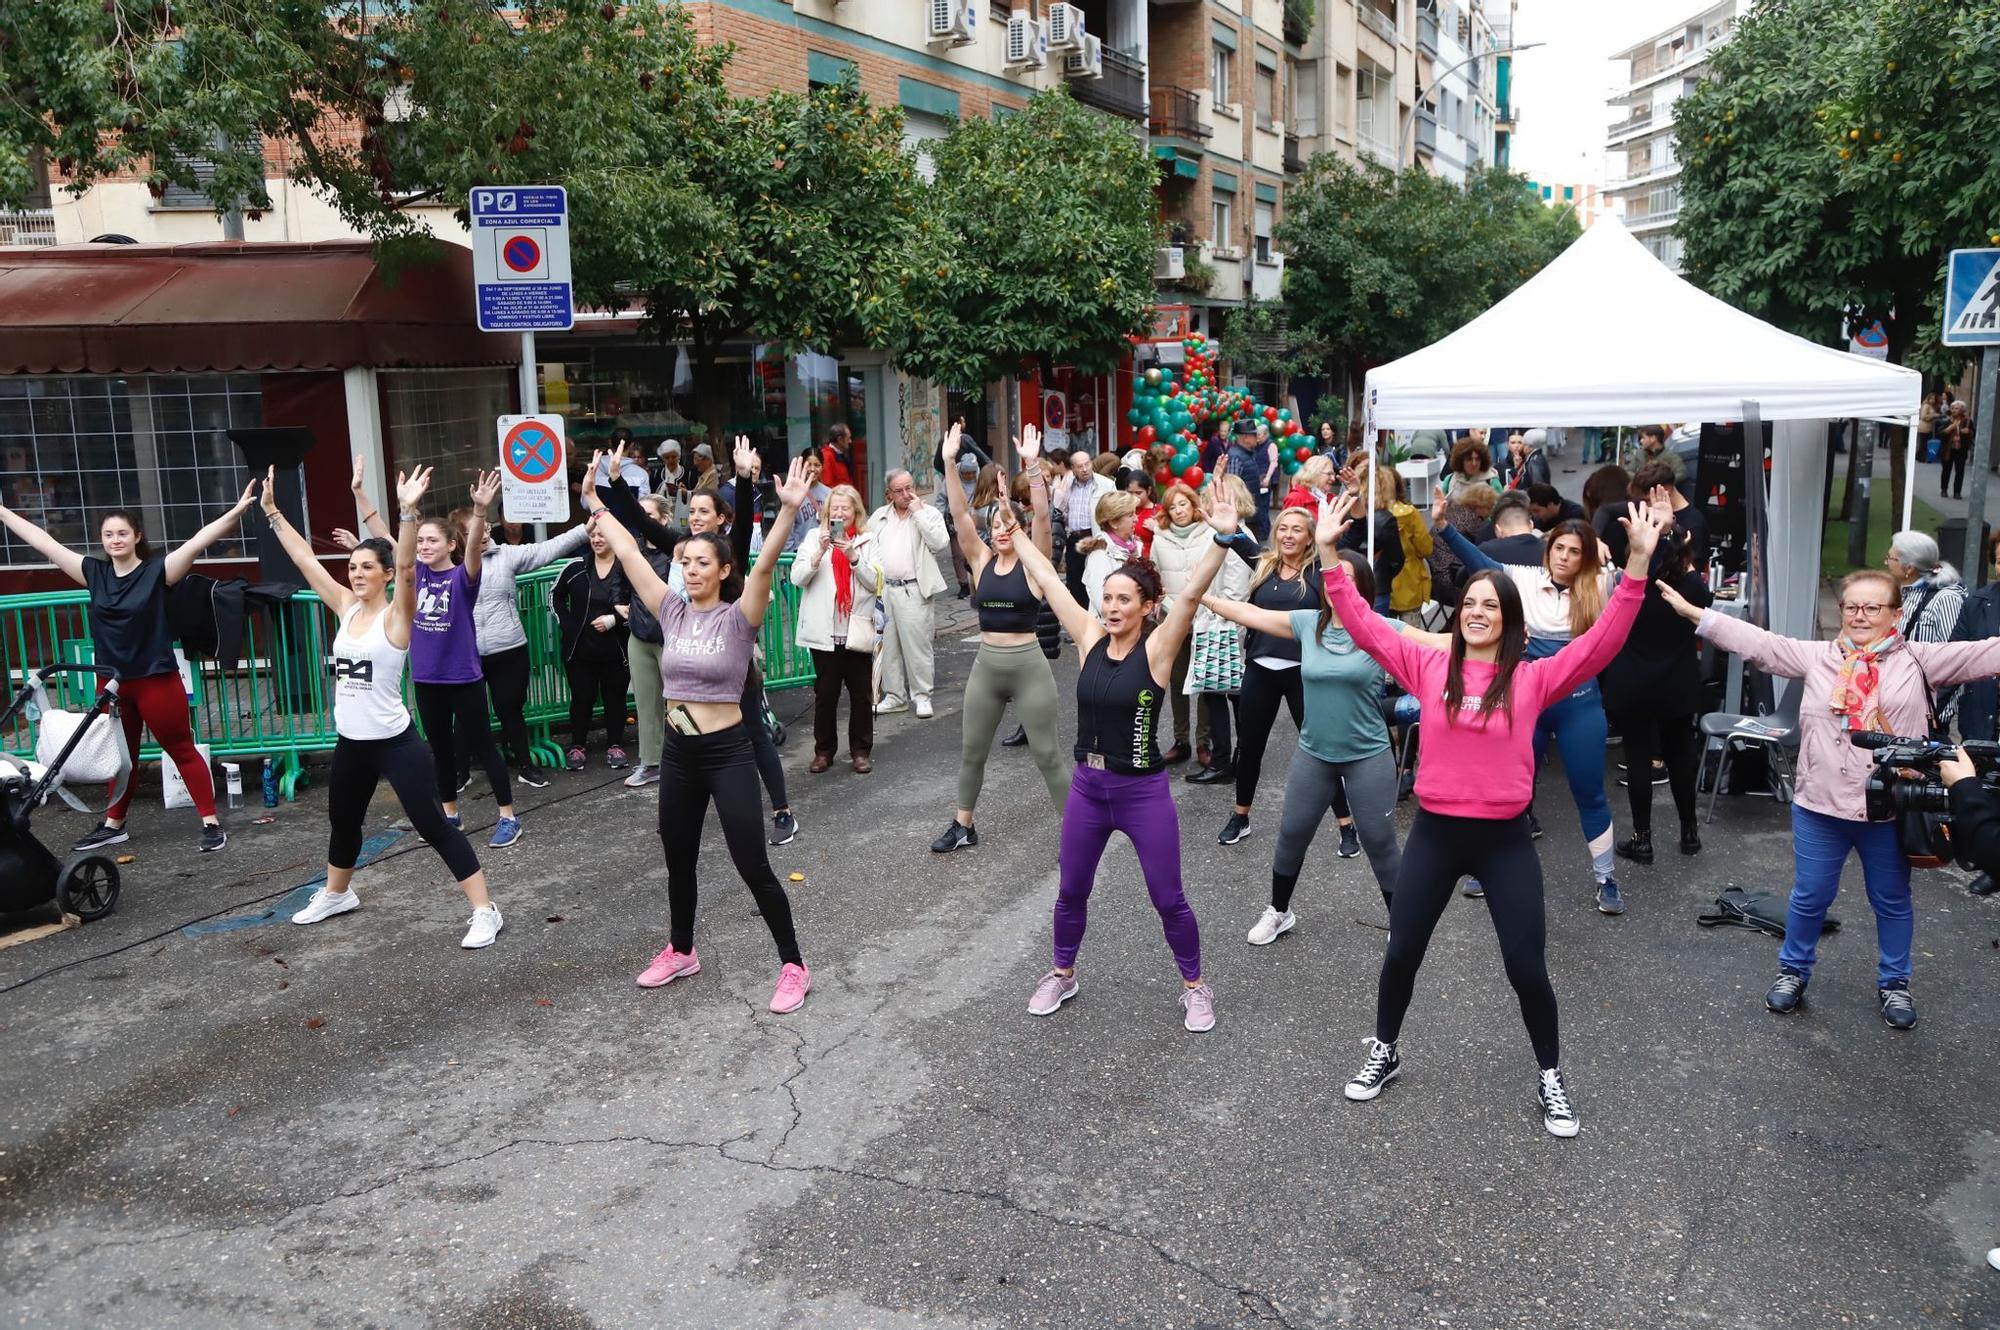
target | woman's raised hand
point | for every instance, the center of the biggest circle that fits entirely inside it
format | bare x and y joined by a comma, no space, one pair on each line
1224,519
270,494
1439,506
1643,525
793,492
1662,505
1334,519
744,456
248,497
1029,446
485,488
360,477
411,488
949,448
344,538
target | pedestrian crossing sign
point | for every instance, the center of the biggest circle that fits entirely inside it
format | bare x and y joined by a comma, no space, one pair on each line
1972,298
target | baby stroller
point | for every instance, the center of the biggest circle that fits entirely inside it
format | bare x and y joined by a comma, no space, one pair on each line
87,885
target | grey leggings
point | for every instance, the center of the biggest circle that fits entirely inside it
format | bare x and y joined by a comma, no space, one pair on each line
1021,675
1310,790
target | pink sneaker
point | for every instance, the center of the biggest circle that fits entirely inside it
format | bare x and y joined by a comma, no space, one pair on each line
668,966
794,982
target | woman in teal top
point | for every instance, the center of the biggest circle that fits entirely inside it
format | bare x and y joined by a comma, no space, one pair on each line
1343,743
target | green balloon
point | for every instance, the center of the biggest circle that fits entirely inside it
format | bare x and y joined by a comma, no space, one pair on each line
1179,463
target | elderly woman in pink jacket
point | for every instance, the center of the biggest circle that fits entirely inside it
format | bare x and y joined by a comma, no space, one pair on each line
1868,678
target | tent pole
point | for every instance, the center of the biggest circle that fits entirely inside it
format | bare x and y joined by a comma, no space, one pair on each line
1373,467
1910,479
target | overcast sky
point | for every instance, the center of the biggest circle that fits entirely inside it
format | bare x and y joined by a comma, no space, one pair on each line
1561,87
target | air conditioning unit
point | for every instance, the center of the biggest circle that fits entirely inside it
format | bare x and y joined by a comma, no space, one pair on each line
1169,263
1027,41
955,21
1065,27
1087,63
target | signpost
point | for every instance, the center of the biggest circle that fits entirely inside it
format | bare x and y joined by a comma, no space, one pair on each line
1972,318
521,283
534,477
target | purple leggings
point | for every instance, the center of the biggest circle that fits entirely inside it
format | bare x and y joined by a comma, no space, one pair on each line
1101,802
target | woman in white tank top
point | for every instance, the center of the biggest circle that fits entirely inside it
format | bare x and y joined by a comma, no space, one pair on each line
377,740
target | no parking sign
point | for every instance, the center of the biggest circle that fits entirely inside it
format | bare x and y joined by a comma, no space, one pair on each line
534,480
520,258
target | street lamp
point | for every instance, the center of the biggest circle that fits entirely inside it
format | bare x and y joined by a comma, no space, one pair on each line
1437,78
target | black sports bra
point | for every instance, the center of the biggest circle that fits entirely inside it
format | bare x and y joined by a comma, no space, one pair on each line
1005,602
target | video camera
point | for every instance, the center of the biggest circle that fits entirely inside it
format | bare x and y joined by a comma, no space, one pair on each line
1906,777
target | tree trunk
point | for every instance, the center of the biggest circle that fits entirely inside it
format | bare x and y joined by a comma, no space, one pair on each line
711,394
1853,471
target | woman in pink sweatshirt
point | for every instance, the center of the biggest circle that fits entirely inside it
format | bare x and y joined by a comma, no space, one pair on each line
1475,776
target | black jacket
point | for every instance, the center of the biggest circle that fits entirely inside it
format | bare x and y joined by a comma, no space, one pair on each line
1526,550
1975,826
1978,702
580,595
1658,670
208,616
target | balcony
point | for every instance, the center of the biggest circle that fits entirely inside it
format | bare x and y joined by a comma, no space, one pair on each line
1298,21
1176,113
28,226
1427,33
1122,90
1640,119
1295,161
1267,276
1381,24
1427,130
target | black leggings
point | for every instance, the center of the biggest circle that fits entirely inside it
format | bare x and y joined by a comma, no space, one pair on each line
1256,713
1441,850
456,726
507,674
693,769
1669,738
769,767
1218,707
590,680
358,765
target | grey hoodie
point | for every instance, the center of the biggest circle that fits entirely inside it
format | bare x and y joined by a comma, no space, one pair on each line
496,613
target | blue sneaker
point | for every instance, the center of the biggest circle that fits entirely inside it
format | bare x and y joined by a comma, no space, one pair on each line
454,821
506,833
1609,901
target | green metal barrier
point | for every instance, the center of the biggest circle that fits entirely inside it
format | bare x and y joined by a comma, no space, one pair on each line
275,703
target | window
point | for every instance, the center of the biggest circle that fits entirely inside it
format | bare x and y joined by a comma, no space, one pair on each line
73,446
1302,94
1267,90
444,418
1219,57
1219,219
180,197
1263,216
920,130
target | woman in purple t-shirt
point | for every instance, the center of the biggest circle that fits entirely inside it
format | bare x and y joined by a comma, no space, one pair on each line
444,658
704,656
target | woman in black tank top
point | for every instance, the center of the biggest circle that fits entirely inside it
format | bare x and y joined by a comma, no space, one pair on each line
1010,666
1120,782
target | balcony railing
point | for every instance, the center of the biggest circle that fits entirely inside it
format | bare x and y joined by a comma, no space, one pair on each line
1122,90
1298,21
1637,120
1427,34
1295,161
1427,130
1371,17
29,226
1175,112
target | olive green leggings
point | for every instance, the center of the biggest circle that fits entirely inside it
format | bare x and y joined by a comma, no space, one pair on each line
1020,675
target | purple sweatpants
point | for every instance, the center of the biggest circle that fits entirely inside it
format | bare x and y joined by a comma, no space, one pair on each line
1101,802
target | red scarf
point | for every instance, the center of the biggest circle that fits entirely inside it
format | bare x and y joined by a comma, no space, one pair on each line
1857,693
843,585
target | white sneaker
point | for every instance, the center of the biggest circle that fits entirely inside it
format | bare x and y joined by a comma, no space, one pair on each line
890,705
486,925
1993,1258
1271,925
642,775
924,711
325,904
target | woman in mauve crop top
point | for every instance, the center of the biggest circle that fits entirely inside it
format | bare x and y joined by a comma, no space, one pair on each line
705,653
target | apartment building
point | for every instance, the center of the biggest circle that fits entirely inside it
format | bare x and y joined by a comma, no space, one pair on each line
1644,168
1458,118
1587,199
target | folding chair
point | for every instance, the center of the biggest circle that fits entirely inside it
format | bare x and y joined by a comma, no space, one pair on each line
1777,735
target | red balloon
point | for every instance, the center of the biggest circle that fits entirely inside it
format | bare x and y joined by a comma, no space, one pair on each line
1302,452
1173,390
1146,435
1192,477
1165,476
1293,427
1270,413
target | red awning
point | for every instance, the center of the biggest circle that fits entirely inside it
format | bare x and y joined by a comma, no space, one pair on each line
236,306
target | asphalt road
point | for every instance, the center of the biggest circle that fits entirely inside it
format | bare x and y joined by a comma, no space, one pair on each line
359,1124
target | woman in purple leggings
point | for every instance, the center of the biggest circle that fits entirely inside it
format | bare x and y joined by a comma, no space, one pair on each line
1120,782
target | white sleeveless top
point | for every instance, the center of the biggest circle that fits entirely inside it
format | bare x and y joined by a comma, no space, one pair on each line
368,681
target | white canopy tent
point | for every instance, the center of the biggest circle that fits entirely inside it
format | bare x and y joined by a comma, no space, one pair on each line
1606,335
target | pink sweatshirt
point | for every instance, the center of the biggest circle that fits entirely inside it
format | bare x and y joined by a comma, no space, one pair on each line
1472,768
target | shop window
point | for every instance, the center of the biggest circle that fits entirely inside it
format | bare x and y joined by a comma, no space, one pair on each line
443,418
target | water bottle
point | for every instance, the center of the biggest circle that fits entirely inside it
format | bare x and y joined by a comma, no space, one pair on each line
270,783
232,781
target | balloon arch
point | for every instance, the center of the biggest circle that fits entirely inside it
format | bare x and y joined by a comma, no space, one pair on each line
1174,409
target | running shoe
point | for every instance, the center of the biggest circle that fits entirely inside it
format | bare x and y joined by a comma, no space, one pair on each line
1557,1116
614,757
1270,925
794,982
1899,1010
213,837
531,778
486,925
642,775
1787,993
1534,826
1350,842
106,834
1018,739
1638,848
890,705
1609,899
1235,829
784,827
924,711
464,781
455,821
576,759
1055,989
1384,1064
668,966
1199,1005
505,832
954,837
325,904
1993,1257
1472,889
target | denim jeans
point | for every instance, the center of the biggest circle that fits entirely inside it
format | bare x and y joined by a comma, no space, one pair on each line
1820,845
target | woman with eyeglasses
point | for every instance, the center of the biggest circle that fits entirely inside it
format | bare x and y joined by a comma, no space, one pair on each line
1870,678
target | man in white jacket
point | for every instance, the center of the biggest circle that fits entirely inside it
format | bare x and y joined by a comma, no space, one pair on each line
908,538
